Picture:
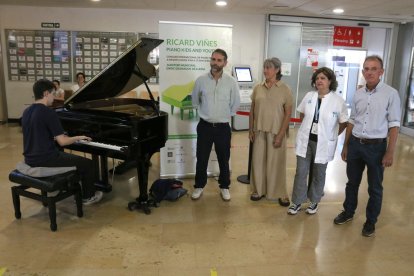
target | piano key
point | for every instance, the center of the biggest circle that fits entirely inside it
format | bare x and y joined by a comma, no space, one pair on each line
100,145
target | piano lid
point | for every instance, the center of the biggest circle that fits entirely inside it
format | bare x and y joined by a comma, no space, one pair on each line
123,74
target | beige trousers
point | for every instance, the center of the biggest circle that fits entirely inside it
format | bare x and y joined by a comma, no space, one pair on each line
268,173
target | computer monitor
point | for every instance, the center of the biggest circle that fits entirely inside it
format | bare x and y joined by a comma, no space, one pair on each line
243,74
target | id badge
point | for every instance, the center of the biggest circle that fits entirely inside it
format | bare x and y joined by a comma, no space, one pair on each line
314,129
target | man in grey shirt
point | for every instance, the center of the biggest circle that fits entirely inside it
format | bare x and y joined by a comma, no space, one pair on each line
375,115
216,96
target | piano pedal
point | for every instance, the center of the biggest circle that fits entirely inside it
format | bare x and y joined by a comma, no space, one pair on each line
123,167
102,186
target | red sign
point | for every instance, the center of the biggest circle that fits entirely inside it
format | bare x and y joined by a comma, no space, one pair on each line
348,36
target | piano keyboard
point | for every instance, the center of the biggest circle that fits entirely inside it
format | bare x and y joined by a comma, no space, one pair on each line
101,145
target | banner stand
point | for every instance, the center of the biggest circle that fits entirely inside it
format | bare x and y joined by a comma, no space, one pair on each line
184,56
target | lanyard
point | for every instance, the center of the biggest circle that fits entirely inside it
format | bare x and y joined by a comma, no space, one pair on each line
316,119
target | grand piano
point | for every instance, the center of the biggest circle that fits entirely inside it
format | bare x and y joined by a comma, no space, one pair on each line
121,128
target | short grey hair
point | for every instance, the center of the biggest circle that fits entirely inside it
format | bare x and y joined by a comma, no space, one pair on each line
276,63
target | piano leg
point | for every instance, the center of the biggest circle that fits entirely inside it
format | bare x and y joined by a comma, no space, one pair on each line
142,202
101,170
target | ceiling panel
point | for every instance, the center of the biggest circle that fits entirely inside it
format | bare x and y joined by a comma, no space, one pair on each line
383,10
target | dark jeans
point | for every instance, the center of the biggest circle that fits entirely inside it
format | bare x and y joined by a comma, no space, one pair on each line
83,165
220,135
359,157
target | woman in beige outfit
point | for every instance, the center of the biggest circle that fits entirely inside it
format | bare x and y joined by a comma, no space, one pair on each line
269,121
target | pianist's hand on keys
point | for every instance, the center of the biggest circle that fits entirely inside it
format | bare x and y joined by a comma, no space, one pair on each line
81,138
99,145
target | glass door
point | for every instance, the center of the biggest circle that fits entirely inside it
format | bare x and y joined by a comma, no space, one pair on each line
347,65
305,44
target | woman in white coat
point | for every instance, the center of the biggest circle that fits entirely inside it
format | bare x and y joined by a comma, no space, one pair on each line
324,116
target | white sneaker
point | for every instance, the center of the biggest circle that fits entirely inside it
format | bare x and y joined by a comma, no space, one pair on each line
93,199
225,194
294,209
312,209
197,193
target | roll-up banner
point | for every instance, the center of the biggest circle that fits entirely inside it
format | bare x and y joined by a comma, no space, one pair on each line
184,56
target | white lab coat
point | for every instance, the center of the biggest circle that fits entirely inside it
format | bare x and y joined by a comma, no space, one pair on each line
332,111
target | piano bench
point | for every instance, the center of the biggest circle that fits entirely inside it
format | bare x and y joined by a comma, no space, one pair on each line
65,185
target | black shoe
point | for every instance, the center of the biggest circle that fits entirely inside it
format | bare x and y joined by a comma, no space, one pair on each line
342,218
368,230
284,202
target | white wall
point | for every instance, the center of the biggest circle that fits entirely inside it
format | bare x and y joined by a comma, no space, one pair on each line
248,34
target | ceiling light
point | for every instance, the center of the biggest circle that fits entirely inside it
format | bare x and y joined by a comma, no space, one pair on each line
96,0
221,3
338,11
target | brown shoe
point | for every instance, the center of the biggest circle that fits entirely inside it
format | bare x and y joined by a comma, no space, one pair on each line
284,202
256,197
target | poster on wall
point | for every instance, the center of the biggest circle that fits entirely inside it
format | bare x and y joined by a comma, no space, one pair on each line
34,55
93,51
184,56
312,58
38,54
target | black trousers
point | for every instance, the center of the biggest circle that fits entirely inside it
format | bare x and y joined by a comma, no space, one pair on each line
361,156
208,134
83,165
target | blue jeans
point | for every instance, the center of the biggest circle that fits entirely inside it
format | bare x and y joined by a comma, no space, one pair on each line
361,156
207,135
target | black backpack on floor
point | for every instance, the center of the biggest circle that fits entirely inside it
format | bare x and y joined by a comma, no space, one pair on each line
167,189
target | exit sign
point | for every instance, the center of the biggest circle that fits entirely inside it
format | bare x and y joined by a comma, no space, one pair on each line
50,25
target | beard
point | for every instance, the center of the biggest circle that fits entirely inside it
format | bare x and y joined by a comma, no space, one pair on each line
216,68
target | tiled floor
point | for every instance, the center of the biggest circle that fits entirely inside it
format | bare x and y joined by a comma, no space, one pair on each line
209,236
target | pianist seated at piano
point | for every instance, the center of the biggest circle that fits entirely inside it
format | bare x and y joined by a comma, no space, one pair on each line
80,81
127,129
42,130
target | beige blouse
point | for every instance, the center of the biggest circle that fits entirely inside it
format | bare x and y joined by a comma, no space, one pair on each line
269,106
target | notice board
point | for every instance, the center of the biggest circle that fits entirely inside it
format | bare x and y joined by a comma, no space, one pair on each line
57,54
